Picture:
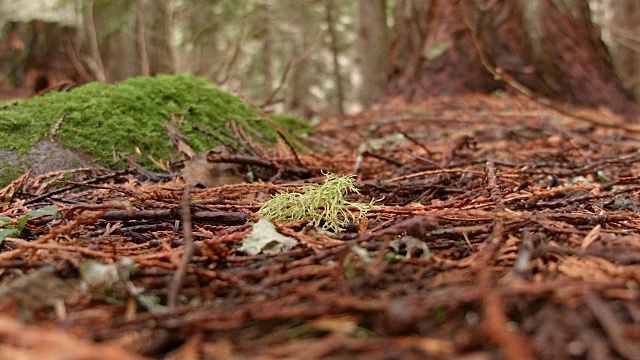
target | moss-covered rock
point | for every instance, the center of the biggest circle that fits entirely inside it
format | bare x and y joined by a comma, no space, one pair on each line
97,118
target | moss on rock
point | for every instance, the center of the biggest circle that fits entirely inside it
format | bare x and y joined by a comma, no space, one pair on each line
99,118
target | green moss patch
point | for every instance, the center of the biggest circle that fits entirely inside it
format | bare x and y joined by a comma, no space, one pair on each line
99,118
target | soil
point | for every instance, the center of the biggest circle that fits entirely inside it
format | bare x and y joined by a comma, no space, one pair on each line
529,215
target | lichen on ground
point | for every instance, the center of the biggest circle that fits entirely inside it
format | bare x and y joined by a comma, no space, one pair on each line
322,205
100,118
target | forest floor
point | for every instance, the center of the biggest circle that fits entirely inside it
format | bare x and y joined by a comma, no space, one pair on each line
530,218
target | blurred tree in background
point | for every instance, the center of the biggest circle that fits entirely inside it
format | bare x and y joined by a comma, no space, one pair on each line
332,56
550,47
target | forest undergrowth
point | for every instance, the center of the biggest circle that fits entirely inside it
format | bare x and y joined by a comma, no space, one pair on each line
529,218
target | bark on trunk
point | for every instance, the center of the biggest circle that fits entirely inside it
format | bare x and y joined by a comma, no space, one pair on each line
141,39
574,60
443,47
264,9
335,54
432,52
622,29
373,49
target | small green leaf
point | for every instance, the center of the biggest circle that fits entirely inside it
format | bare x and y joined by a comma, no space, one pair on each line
4,220
602,176
22,221
51,210
9,232
436,51
392,257
152,303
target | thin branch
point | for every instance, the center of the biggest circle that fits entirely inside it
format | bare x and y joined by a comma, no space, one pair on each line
189,249
72,54
293,62
234,55
293,150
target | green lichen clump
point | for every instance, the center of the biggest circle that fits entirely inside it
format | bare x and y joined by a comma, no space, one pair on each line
100,118
323,205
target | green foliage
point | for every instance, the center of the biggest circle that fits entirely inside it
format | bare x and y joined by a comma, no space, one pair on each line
321,205
15,230
436,51
101,117
10,172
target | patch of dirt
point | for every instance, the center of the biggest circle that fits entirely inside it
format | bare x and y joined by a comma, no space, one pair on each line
530,218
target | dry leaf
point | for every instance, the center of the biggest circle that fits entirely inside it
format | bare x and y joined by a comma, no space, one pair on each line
198,170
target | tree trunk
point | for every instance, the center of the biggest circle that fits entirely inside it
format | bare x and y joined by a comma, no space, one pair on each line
575,61
432,52
202,57
373,49
300,81
141,39
160,46
117,44
95,61
443,47
267,47
169,65
33,57
622,29
335,54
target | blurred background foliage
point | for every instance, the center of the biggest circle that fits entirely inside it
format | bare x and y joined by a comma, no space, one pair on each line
301,56
249,46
